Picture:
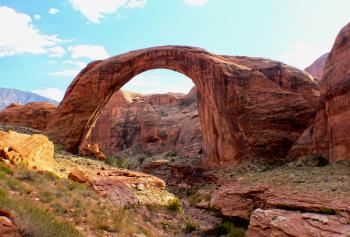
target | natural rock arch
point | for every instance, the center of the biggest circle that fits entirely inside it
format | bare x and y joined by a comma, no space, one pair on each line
237,103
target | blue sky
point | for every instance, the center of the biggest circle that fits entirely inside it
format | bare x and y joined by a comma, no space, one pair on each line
44,44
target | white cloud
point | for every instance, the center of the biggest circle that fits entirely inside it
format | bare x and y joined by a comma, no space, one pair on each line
136,3
37,17
53,11
95,10
302,54
18,35
65,73
71,72
79,64
56,52
94,52
51,93
195,3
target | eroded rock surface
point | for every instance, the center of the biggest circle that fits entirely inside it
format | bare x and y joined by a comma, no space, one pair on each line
156,124
240,201
328,135
34,115
282,223
35,151
123,187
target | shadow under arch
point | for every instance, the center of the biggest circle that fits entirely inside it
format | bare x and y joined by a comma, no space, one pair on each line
223,85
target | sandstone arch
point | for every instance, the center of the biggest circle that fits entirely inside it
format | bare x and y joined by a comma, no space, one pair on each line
238,101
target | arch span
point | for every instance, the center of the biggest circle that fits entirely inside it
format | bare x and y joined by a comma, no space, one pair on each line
229,91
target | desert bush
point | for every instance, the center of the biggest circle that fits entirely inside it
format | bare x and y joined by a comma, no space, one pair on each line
174,205
117,161
5,168
34,221
189,227
171,154
46,196
228,229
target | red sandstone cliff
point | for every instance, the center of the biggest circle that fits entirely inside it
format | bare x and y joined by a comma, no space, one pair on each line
328,136
34,115
154,123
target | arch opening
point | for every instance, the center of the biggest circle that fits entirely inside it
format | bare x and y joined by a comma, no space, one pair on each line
155,113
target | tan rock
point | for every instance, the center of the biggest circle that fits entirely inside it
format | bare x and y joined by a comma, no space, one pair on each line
282,223
34,151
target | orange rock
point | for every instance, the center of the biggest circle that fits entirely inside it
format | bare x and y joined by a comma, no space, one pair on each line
33,115
282,223
245,110
78,176
8,227
34,151
92,150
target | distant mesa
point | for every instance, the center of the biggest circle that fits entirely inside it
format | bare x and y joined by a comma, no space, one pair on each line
9,96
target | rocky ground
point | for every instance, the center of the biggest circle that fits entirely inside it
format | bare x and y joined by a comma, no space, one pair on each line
110,202
210,203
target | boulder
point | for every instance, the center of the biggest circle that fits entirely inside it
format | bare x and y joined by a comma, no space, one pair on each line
328,134
8,227
93,150
78,176
126,187
234,200
34,151
33,115
282,223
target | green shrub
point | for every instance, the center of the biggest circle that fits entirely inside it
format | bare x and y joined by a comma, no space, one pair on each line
174,205
6,169
189,227
15,185
46,197
142,159
327,211
171,154
117,161
34,221
228,229
26,175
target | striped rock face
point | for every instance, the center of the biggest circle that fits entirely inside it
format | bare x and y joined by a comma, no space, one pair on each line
328,135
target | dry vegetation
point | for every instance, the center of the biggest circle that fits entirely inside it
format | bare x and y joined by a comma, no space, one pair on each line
310,173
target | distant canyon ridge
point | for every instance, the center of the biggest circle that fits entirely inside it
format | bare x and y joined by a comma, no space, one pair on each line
295,116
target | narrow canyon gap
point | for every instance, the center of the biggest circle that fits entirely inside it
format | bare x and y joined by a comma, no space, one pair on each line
248,107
